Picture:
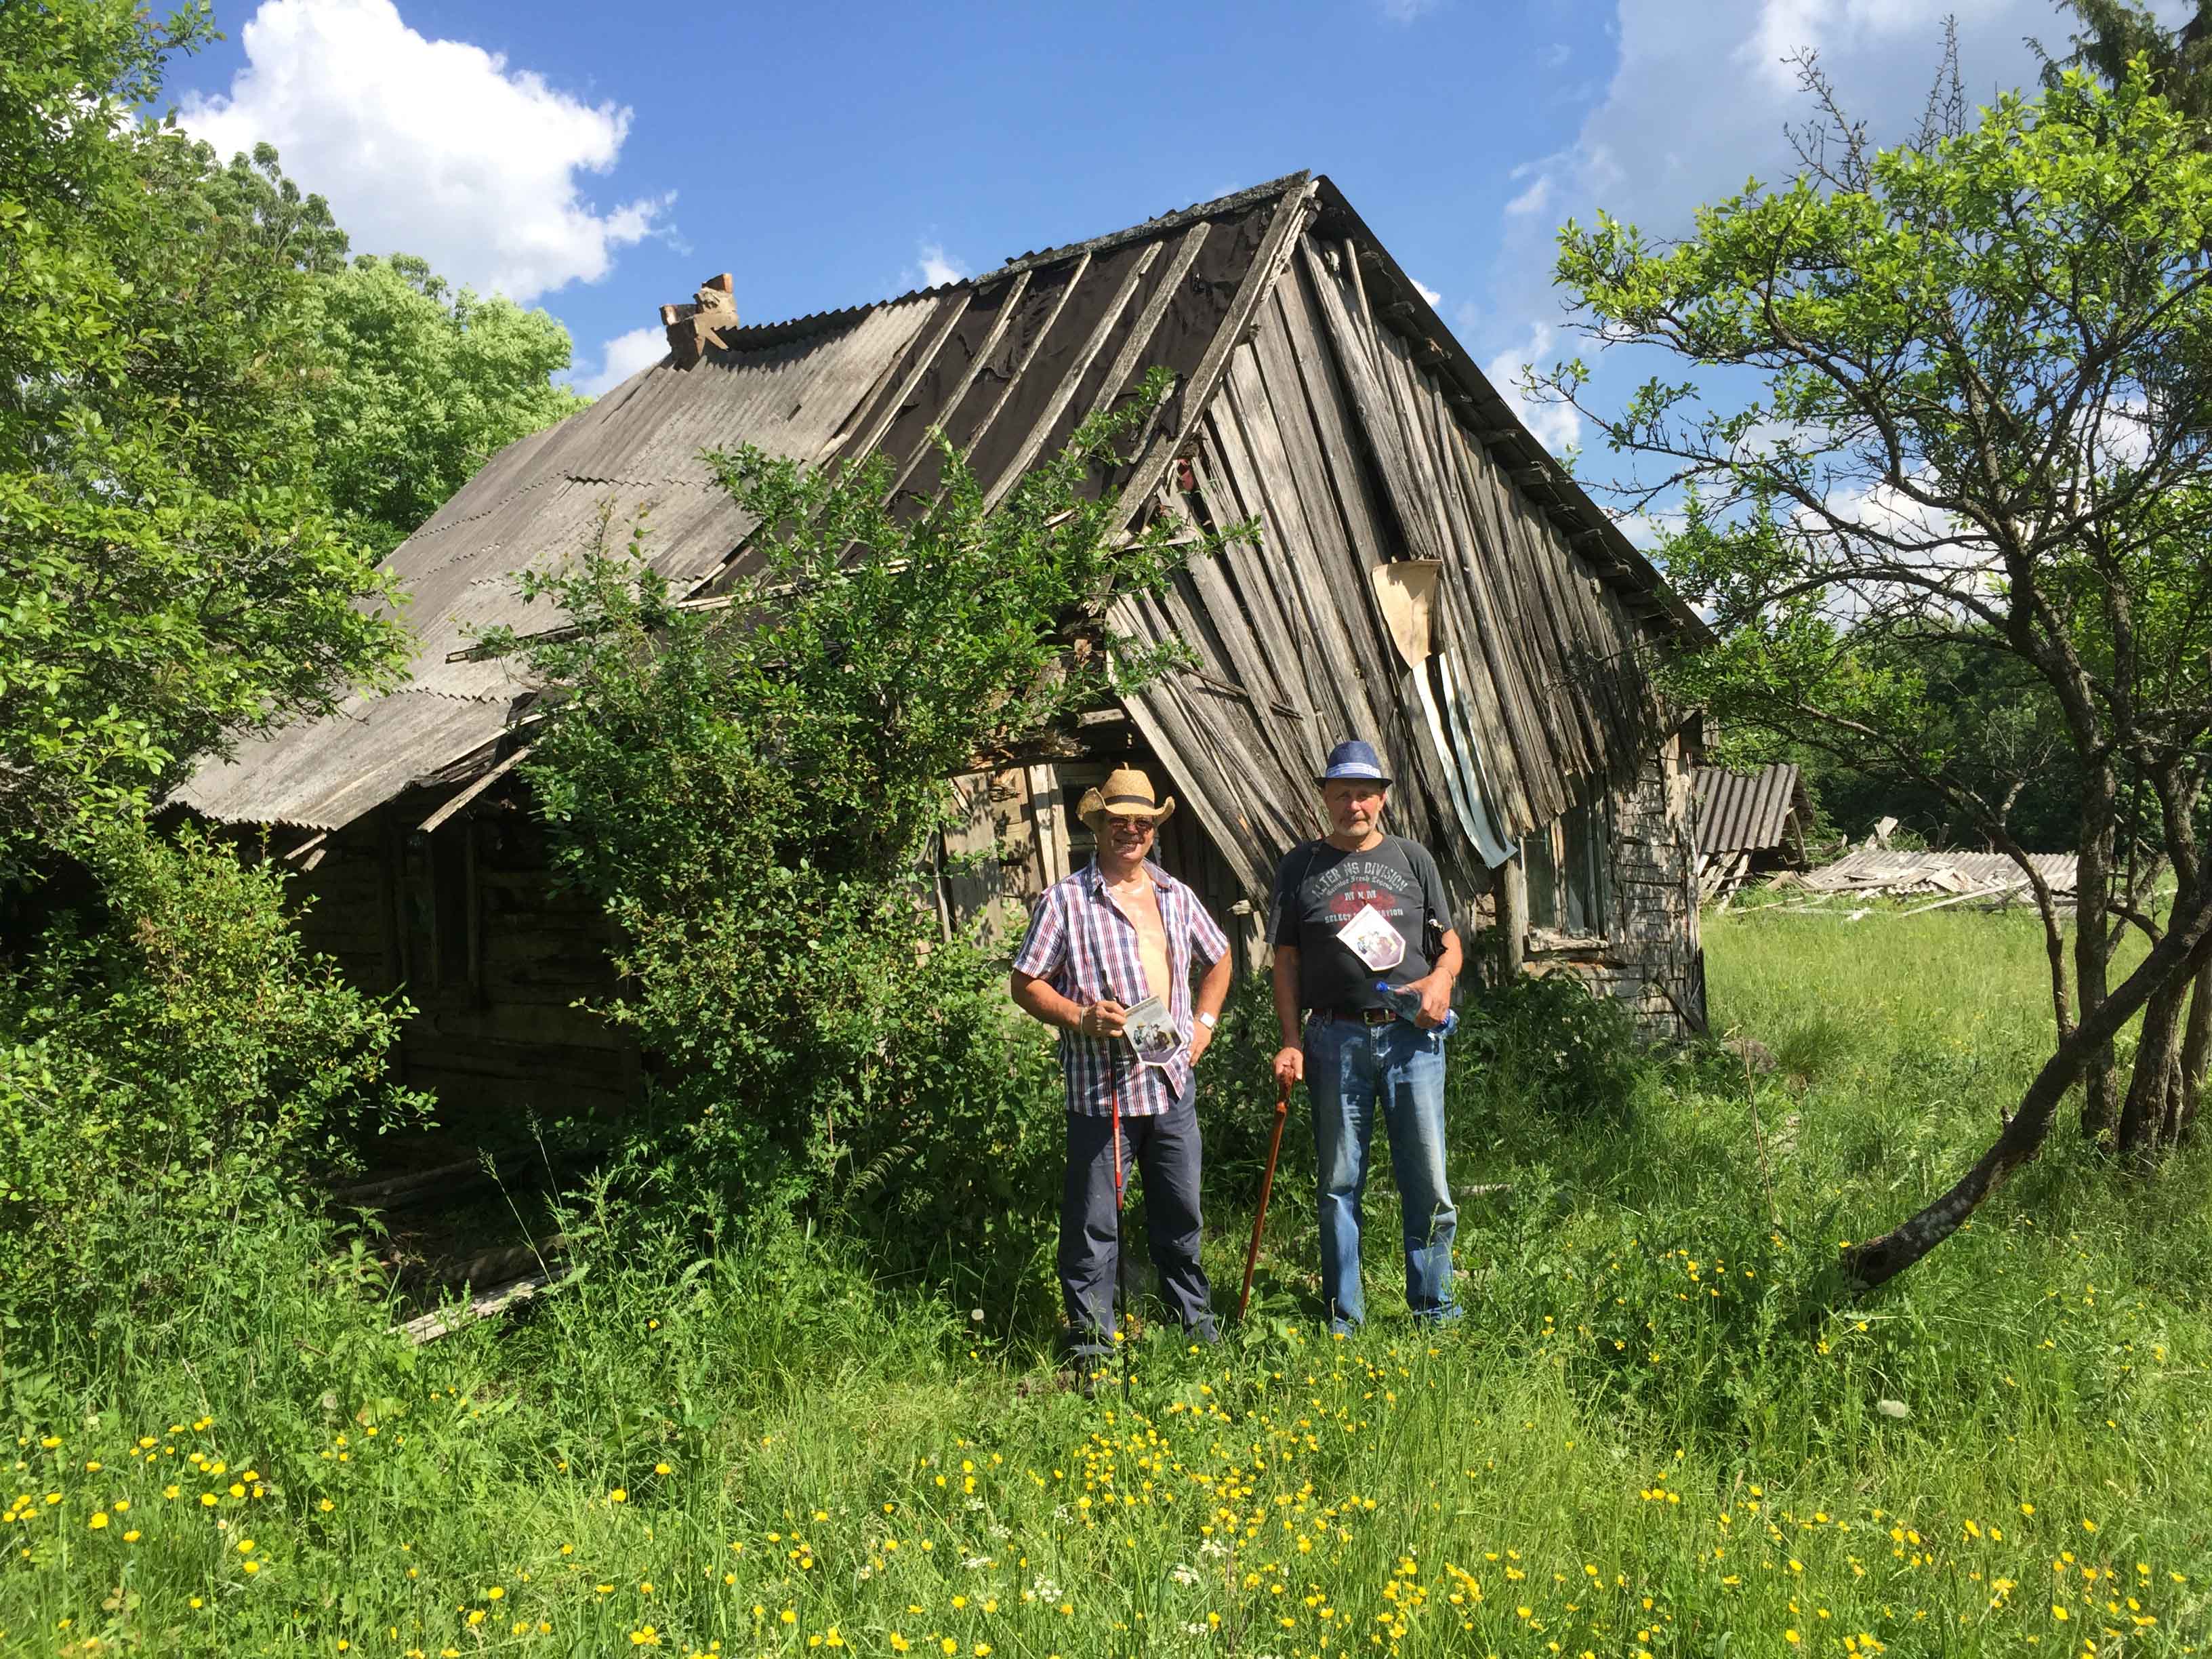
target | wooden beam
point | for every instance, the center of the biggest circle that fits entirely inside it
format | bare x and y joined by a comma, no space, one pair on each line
1162,446
1064,394
1512,918
880,428
1148,320
474,790
1067,292
977,364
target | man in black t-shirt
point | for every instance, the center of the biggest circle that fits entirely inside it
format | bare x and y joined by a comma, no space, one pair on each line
1360,925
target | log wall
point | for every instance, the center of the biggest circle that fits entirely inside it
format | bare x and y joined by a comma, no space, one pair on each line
467,922
1649,954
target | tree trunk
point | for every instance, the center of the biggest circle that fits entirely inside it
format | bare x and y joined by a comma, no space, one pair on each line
2196,1049
2157,1075
1876,1260
2093,952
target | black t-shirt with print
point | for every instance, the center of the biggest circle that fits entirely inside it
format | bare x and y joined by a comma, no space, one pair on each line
1319,888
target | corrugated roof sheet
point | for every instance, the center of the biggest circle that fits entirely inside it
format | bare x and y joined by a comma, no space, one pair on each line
324,773
1007,388
1006,363
1880,870
1745,812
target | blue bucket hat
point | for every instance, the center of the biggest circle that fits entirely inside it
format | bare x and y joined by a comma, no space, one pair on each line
1355,759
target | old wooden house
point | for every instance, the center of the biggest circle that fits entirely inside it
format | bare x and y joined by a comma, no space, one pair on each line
1425,576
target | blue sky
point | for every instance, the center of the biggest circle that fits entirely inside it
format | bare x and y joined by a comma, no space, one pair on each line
599,161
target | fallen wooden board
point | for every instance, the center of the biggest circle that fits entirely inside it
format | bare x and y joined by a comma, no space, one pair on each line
484,1305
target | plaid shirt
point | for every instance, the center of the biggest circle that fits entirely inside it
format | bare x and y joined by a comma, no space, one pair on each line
1081,943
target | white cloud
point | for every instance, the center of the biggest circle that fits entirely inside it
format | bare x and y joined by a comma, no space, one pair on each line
937,267
1555,426
1531,200
1645,157
430,146
1557,55
1407,11
1430,294
1649,159
622,357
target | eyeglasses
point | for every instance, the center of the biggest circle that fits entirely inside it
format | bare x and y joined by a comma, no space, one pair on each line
1142,825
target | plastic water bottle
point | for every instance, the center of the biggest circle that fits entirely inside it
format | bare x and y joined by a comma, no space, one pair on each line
1407,1002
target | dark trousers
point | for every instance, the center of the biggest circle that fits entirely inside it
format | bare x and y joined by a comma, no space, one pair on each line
1165,1148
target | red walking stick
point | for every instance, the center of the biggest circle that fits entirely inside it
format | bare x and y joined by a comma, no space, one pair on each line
1266,1186
1121,1283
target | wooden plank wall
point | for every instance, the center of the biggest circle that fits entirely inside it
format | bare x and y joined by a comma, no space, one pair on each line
1347,451
1650,955
504,1040
1021,834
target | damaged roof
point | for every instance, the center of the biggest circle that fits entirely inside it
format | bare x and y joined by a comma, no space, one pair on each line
1750,811
1007,363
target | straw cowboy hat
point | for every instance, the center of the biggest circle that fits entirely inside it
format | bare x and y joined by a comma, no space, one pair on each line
1127,794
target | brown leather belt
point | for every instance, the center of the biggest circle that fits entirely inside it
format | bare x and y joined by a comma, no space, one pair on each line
1359,1016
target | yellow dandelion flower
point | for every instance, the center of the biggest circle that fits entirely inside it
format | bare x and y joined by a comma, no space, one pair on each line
618,1495
97,1521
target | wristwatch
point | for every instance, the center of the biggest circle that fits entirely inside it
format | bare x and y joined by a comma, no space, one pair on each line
1209,1021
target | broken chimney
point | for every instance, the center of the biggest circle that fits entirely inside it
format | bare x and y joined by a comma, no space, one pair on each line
692,328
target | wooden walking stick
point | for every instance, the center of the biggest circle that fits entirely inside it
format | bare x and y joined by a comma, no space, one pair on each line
1266,1186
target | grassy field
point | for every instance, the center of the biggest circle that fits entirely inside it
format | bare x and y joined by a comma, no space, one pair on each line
1644,1440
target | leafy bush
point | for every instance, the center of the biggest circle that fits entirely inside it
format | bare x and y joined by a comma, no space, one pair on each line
168,1071
1552,1045
753,794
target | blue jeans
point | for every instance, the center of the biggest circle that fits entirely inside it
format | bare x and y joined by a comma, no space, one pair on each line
1167,1149
1350,1069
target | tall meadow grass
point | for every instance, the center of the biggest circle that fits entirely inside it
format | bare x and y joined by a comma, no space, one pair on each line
1646,1438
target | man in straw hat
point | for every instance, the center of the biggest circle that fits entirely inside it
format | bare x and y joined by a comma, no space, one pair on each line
1115,933
1363,937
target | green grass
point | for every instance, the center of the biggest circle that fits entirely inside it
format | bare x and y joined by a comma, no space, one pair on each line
1642,1439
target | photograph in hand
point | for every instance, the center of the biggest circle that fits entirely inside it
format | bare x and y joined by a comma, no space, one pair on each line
1151,1030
